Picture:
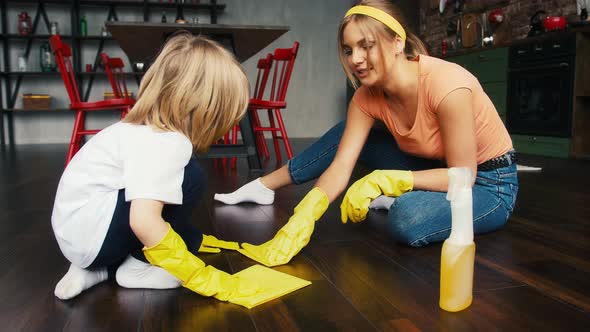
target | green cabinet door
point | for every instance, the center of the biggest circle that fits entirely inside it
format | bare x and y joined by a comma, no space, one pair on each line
540,145
497,93
490,65
465,61
487,66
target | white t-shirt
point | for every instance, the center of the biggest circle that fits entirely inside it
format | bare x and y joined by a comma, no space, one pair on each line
147,163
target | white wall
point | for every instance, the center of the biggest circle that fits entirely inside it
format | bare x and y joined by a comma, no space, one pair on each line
317,92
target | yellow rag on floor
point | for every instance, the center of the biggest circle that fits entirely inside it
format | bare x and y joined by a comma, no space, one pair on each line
273,284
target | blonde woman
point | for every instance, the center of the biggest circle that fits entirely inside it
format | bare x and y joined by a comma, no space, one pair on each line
134,185
436,115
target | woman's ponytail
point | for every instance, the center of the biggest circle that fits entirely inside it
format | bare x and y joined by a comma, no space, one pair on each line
414,46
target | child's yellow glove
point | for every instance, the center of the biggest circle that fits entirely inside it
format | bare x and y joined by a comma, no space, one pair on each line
211,244
292,237
172,255
393,183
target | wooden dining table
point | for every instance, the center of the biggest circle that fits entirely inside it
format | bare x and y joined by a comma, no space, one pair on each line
142,41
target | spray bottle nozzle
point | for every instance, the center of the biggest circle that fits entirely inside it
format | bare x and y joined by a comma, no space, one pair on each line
460,196
460,178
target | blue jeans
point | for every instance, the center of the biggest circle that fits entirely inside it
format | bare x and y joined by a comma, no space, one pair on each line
419,217
120,240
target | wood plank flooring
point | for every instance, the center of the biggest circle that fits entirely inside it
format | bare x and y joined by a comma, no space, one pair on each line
532,275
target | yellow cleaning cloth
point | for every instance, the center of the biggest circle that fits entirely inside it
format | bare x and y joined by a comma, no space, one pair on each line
273,284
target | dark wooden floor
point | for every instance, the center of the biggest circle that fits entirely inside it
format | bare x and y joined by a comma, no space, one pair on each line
532,275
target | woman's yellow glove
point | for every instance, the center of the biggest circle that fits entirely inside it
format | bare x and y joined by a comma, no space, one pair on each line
213,245
393,183
172,255
292,237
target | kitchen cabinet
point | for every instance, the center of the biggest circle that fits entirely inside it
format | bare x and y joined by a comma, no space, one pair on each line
542,145
491,69
580,147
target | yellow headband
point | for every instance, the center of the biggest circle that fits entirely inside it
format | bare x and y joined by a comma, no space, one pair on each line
380,16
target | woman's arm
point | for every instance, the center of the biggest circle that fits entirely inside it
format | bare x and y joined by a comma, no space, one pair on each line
457,126
335,178
146,221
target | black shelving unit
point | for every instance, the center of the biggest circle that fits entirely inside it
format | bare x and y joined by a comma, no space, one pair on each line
12,79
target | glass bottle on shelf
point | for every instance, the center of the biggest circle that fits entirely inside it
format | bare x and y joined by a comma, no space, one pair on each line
21,62
54,28
46,59
179,12
164,20
24,24
83,26
104,32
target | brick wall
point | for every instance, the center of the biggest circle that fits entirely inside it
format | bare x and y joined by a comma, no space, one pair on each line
433,25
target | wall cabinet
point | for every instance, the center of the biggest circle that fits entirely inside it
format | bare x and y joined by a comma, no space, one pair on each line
86,45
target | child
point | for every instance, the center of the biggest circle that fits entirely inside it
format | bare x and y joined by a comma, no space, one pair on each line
135,183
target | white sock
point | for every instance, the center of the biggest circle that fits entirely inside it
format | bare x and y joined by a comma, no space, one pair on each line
253,191
382,202
134,273
77,280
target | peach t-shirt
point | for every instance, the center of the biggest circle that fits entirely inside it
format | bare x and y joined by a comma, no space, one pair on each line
437,78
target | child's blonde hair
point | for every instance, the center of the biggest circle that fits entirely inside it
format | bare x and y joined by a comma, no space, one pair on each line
370,26
195,87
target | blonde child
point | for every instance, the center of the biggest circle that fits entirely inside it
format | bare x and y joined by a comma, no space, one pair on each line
135,184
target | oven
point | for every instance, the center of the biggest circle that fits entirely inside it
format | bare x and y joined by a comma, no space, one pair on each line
540,87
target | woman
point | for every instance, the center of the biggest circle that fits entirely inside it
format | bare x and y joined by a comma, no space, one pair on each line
437,116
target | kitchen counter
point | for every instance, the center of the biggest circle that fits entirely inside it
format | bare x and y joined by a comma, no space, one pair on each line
528,40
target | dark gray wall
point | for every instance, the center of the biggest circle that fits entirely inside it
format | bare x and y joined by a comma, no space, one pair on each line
317,94
316,97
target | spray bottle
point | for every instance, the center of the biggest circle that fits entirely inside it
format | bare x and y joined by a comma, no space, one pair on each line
458,251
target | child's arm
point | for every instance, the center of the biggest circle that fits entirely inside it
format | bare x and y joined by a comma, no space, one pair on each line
166,249
146,221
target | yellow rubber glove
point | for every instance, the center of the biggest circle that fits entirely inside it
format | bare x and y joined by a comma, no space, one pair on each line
211,244
393,183
172,255
292,237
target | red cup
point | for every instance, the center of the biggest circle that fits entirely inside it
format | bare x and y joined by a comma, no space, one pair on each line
88,68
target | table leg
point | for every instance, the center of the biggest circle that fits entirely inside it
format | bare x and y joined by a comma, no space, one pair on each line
2,142
249,143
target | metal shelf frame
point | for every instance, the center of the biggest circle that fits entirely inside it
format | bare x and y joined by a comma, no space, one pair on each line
13,79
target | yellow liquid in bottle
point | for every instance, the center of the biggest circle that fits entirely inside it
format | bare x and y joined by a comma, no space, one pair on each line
456,276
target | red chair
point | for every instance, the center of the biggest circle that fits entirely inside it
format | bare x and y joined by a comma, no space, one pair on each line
284,60
63,53
264,65
114,69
